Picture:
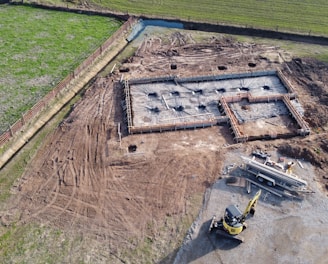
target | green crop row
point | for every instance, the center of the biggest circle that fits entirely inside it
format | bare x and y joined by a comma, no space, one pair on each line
305,16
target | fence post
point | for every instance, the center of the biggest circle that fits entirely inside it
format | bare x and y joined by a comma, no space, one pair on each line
23,120
11,132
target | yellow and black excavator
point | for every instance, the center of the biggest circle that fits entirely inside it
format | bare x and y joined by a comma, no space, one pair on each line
233,222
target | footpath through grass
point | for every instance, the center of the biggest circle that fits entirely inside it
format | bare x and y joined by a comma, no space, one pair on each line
38,48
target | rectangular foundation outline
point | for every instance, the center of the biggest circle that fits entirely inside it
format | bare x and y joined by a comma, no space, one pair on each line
222,102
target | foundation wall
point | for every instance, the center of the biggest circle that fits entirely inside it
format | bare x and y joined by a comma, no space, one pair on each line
172,127
238,135
179,121
204,78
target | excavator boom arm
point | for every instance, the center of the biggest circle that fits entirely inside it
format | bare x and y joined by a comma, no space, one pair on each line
251,204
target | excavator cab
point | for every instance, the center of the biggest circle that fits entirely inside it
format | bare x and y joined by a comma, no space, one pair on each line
232,221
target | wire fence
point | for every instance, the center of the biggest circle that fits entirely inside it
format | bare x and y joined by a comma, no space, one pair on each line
48,98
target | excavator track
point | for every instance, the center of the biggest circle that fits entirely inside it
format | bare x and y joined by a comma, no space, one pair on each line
224,234
220,232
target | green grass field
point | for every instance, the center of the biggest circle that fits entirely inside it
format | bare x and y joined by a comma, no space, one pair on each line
289,15
38,48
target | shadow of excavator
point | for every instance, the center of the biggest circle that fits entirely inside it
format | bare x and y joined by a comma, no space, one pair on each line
200,246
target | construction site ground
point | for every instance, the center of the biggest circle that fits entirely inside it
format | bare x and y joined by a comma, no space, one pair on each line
148,198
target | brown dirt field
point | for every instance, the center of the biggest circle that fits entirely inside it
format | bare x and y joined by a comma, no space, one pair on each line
84,181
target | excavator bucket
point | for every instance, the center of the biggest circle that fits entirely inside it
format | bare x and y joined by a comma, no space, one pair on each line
212,224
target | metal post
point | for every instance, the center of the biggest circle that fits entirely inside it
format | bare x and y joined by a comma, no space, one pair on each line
119,133
113,68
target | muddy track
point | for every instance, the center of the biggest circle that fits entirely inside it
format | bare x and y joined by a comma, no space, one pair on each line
80,189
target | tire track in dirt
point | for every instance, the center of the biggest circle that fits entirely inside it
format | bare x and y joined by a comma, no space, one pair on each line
54,161
161,181
132,205
177,184
74,179
182,185
58,168
102,197
77,200
97,196
38,194
96,175
60,172
129,199
71,197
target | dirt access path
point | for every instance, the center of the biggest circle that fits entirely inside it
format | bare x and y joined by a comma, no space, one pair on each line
119,195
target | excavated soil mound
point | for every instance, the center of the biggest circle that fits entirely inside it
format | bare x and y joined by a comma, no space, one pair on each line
311,75
304,153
